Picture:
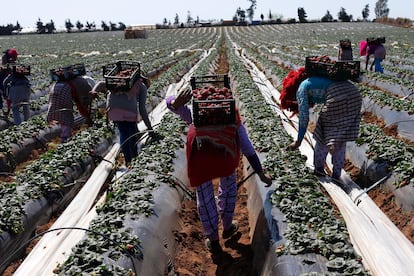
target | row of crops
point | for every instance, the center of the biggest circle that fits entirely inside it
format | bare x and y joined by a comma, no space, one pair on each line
388,96
168,55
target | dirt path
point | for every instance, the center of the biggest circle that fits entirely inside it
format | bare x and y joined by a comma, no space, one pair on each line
193,258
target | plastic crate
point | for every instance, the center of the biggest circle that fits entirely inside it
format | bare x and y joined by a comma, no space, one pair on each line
345,44
20,69
213,111
376,40
114,81
68,72
336,70
4,69
214,80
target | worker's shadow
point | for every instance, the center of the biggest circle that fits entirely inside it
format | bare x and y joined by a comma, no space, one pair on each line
226,263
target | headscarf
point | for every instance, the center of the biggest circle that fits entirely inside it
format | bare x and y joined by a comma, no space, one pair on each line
290,85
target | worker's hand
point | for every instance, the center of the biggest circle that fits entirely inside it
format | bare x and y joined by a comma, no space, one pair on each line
182,98
293,146
152,133
93,94
100,87
265,178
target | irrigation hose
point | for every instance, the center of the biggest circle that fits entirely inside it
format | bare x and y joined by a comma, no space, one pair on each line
357,200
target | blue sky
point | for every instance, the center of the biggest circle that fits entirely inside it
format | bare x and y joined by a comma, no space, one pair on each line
154,11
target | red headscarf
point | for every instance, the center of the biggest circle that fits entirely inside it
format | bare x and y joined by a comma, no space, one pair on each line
290,85
13,53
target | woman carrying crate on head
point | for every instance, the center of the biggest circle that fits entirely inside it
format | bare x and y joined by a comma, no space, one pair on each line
345,50
213,151
338,120
71,86
17,91
376,48
9,57
126,102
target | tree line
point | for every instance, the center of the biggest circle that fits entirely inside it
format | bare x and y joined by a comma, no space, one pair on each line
240,17
49,28
245,16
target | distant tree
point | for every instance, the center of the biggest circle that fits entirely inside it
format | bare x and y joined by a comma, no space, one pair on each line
365,12
40,27
7,30
343,16
79,25
121,26
262,16
112,26
104,26
50,27
165,22
250,10
17,27
270,16
176,19
327,17
197,20
68,25
189,18
240,15
302,15
381,9
90,25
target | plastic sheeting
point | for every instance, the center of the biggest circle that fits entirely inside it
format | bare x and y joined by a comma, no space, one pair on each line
267,227
20,153
53,246
403,120
393,88
39,211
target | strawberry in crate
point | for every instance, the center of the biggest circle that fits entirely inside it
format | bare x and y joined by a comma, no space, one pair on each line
212,93
213,106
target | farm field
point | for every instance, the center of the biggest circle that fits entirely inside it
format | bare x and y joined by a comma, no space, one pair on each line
40,176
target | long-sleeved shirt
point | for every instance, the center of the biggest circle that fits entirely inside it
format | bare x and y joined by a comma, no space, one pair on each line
311,91
125,106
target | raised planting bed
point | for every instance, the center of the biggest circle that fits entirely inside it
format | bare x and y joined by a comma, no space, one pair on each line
46,186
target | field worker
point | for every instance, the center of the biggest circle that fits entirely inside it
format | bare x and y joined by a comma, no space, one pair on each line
124,108
338,120
9,57
17,90
62,95
210,157
345,50
377,49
